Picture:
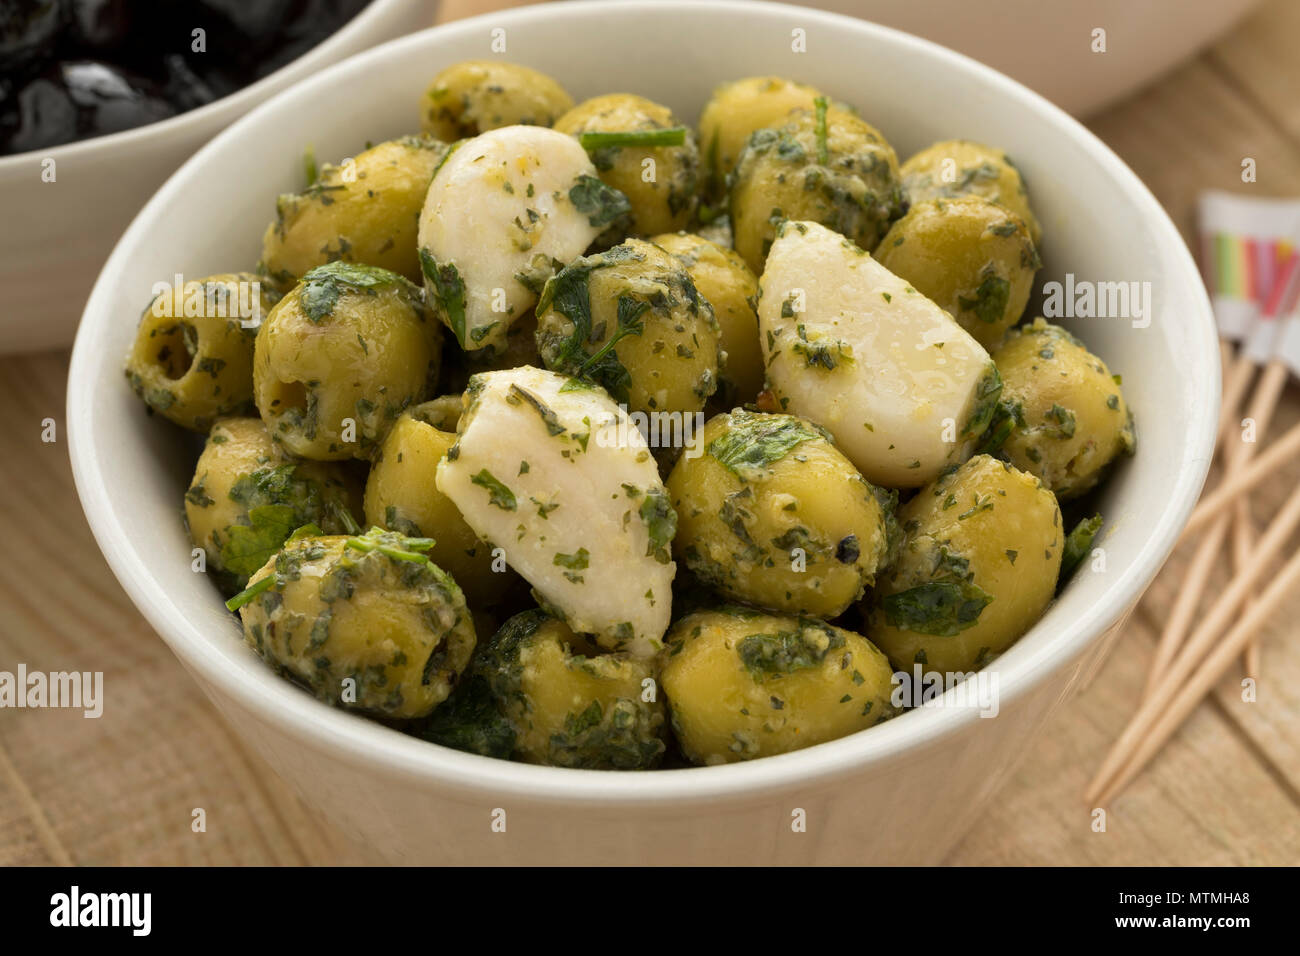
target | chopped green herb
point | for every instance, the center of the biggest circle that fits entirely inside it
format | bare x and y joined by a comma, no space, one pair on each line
670,136
250,592
309,165
1078,544
322,286
774,655
600,203
755,440
574,562
498,494
941,608
990,301
823,150
548,416
448,291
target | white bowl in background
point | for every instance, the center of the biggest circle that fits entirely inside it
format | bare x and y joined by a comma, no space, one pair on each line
902,792
55,236
1049,46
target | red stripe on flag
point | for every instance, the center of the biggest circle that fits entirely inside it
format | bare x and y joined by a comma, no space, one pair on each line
1282,297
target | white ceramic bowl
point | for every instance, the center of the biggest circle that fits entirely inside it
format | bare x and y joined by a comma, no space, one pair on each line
56,235
902,792
1049,46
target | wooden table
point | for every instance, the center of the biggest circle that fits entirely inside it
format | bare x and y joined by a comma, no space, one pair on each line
121,790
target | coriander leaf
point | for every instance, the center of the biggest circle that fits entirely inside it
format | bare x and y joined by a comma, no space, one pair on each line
574,562
1064,419
322,286
942,608
604,368
248,547
990,301
660,521
1006,418
448,292
470,720
987,393
774,655
600,203
498,494
753,441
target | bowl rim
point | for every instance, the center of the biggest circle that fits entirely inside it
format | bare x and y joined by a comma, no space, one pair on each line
363,743
226,107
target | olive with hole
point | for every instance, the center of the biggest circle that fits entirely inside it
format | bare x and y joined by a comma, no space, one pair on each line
192,360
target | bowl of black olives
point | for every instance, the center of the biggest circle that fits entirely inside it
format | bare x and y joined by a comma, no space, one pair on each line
101,100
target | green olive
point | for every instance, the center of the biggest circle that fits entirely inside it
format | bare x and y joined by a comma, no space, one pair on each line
771,514
979,562
727,284
958,167
340,357
474,96
568,705
365,211
1068,413
402,495
192,360
742,684
827,167
738,109
365,623
659,182
970,256
247,496
632,321
443,412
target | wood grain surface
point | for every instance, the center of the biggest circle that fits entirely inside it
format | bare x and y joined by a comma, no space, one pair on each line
122,789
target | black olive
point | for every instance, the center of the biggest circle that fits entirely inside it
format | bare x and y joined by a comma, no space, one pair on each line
184,87
111,99
28,32
141,63
100,26
40,114
78,99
